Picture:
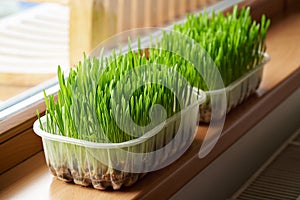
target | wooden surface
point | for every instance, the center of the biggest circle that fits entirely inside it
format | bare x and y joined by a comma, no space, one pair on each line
15,150
31,179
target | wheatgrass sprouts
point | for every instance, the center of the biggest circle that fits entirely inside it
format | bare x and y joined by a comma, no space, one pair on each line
94,91
234,41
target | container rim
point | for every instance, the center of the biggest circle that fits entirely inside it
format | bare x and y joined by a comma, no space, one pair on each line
200,95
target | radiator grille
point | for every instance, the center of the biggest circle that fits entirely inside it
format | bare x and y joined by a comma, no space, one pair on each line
278,178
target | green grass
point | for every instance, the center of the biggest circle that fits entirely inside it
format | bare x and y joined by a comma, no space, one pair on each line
234,41
96,89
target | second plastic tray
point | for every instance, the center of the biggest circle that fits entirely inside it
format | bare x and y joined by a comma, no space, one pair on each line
236,92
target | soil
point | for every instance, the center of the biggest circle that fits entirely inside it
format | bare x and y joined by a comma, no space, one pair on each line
113,178
64,173
205,113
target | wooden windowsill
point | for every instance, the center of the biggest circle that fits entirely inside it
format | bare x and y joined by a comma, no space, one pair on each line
281,78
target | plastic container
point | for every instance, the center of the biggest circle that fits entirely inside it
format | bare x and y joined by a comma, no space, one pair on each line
236,92
100,164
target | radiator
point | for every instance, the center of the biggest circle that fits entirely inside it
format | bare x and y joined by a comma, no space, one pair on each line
278,178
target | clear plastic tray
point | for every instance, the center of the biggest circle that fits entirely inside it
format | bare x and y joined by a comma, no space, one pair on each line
236,92
100,164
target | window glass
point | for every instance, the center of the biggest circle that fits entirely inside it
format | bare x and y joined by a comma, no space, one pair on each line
33,41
